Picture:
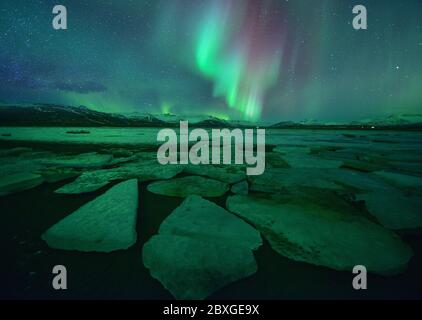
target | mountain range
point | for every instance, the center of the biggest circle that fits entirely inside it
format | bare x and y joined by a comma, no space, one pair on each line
52,115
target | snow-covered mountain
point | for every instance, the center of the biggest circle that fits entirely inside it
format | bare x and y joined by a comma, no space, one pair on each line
68,116
194,120
398,122
395,120
173,118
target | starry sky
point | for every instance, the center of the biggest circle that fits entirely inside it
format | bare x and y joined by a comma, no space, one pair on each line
236,59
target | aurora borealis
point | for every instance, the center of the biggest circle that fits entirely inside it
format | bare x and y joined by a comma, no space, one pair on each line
252,60
239,47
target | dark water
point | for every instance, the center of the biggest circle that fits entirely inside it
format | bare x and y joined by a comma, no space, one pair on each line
27,262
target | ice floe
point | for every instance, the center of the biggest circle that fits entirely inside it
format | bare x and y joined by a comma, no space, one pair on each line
89,182
202,219
105,224
400,180
200,248
304,231
277,180
85,160
292,149
52,175
191,185
143,171
19,182
393,209
225,173
362,166
275,160
308,161
241,188
194,269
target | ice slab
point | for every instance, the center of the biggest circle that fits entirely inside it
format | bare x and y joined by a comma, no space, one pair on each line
400,180
313,162
85,160
89,182
241,188
202,219
200,248
292,149
225,173
52,175
393,209
143,171
194,269
105,224
191,185
280,179
19,182
322,236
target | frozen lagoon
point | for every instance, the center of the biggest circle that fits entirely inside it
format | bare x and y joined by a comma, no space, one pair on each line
364,156
289,137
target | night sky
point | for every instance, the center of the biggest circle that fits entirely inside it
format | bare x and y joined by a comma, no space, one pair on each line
254,60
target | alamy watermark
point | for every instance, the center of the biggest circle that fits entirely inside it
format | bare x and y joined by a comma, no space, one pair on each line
60,18
60,279
360,281
360,21
220,145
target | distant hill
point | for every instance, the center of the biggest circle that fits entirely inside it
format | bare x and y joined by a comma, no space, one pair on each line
173,120
406,120
51,115
392,122
66,116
